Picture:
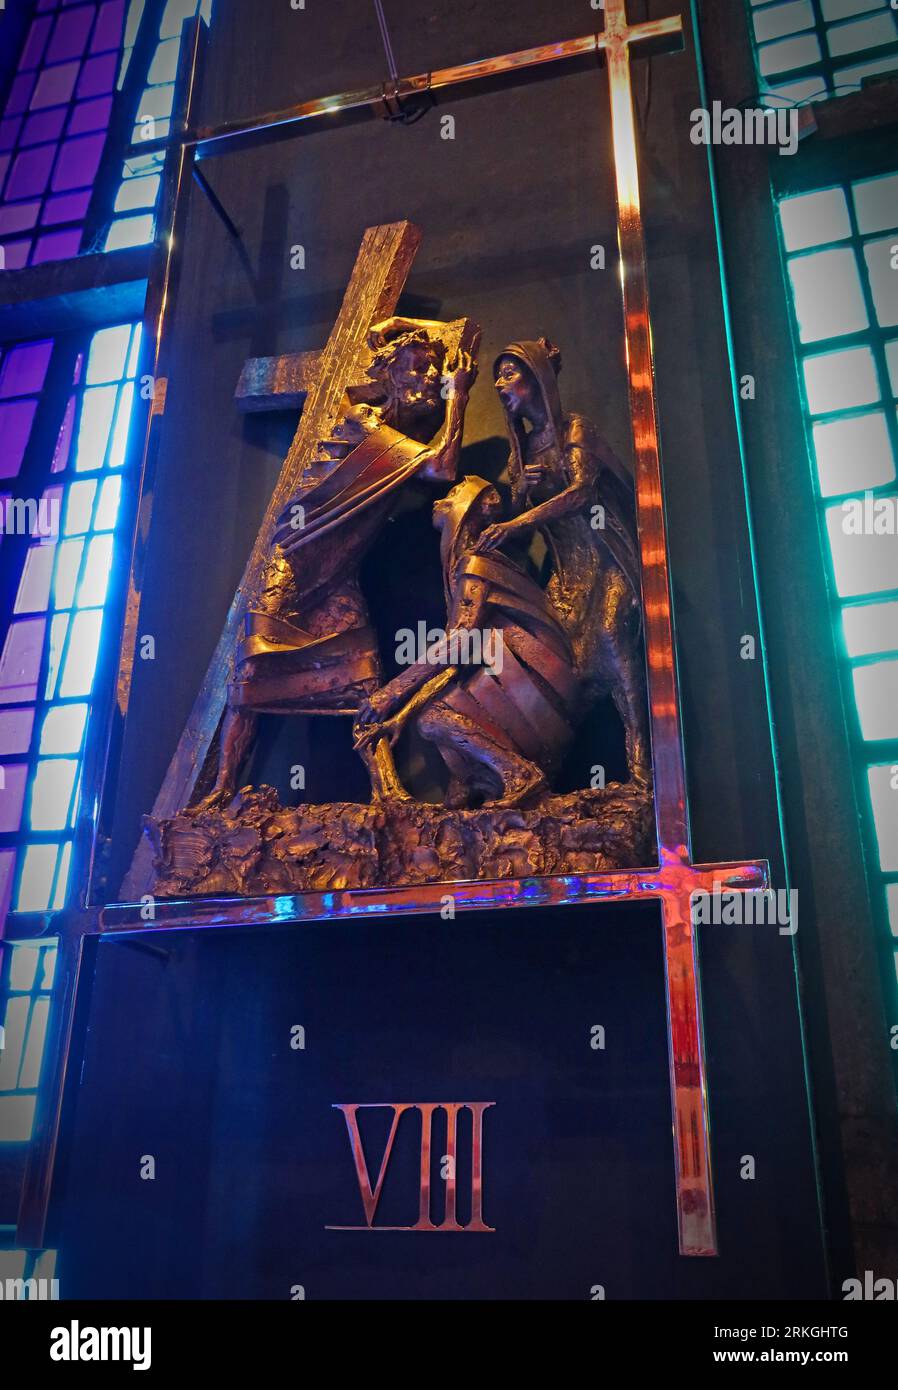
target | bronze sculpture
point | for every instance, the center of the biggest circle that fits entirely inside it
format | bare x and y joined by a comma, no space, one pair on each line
504,713
308,646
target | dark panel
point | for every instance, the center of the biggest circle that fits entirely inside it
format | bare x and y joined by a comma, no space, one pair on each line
252,1162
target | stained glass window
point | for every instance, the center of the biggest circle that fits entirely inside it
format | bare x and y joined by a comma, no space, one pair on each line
53,128
49,653
809,49
841,248
135,204
26,979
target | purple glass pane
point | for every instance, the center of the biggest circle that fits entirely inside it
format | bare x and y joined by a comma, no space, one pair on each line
108,33
30,172
4,165
24,369
12,796
55,86
79,364
98,76
78,162
9,130
21,661
34,44
50,509
90,115
64,442
19,93
57,246
18,217
15,256
66,207
15,730
46,4
34,586
70,35
44,126
15,430
7,871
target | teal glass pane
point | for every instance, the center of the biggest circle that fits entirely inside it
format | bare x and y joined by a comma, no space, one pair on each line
34,1048
50,954
892,900
876,694
36,881
828,297
853,453
863,562
51,793
81,658
812,219
854,75
23,967
779,20
864,33
840,380
16,1119
164,66
871,628
876,203
846,9
882,267
63,729
17,1009
892,360
798,52
108,351
883,781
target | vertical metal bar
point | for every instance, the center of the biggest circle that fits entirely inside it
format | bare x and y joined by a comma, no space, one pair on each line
139,474
689,1099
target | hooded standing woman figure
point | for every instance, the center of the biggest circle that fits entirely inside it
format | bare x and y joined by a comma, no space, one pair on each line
569,485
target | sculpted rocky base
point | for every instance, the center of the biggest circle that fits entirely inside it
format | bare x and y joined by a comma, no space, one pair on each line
257,846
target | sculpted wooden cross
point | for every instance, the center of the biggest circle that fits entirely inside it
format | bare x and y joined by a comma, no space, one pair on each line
319,381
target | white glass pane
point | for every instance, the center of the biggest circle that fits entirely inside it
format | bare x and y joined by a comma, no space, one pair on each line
92,592
50,955
864,563
892,360
164,66
176,11
815,218
23,967
864,33
16,1119
840,380
883,781
844,9
67,564
876,203
871,628
81,659
122,426
853,75
51,793
11,1057
107,508
854,453
34,589
828,297
79,505
882,266
780,20
34,1049
58,629
63,729
108,350
892,899
130,231
96,419
37,878
65,864
876,694
134,358
789,53
137,193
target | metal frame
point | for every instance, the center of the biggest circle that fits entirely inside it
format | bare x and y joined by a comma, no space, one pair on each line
675,879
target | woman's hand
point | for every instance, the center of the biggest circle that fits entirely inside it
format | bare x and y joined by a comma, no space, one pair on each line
497,534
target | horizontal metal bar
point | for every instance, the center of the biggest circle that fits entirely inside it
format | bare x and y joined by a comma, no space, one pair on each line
658,882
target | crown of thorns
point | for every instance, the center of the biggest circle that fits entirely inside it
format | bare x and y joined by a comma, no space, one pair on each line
385,357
